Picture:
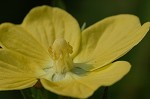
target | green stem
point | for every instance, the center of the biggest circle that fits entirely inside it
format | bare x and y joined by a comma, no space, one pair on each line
24,96
105,94
26,93
64,97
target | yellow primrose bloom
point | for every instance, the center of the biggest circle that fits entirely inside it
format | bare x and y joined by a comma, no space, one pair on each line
49,47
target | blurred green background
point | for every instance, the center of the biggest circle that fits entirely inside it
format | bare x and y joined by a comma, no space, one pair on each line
136,85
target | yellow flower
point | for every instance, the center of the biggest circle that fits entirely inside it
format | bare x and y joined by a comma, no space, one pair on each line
49,47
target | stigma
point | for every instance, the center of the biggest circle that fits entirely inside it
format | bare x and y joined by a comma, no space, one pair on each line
60,53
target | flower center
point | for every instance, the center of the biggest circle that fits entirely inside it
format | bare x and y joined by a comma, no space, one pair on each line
60,52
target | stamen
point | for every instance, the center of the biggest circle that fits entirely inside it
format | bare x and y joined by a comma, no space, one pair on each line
60,53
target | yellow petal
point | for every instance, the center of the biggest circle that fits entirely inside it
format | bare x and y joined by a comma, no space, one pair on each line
48,23
17,71
110,39
14,37
84,86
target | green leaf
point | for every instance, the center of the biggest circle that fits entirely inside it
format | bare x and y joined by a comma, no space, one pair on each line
58,3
